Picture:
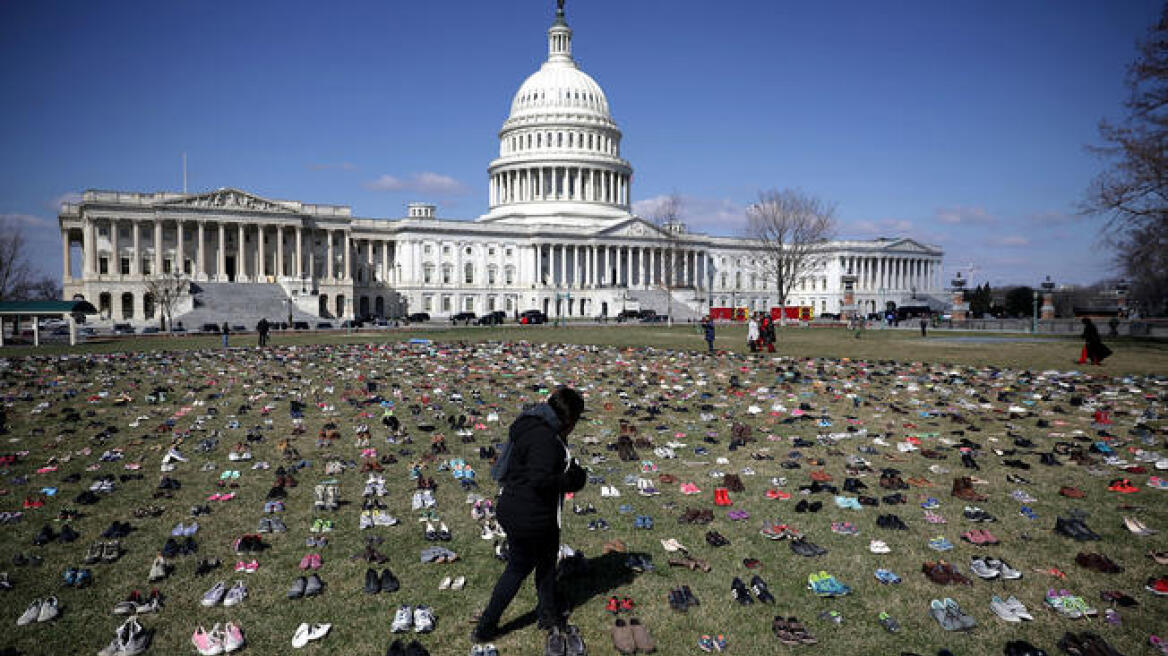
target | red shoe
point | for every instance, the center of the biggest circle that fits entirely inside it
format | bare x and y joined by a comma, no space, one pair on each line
626,604
613,605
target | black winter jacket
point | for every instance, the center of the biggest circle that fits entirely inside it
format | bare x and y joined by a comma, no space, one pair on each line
538,475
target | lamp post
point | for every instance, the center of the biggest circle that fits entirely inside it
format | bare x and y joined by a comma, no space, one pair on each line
710,288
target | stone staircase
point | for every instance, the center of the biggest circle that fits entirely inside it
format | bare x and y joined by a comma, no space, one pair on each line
686,307
239,303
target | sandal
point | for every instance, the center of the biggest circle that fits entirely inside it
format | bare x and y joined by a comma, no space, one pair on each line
782,631
800,632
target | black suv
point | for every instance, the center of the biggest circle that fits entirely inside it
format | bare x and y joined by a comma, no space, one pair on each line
531,317
465,317
495,318
419,317
210,328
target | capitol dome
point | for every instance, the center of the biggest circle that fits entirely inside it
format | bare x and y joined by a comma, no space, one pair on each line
559,149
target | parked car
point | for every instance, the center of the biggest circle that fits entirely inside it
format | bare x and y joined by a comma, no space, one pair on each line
59,331
123,329
383,323
655,318
87,331
465,317
628,315
324,325
239,328
418,317
530,317
210,328
495,318
352,323
299,325
150,330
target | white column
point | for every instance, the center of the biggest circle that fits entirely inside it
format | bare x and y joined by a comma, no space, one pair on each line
279,252
88,251
299,253
384,260
200,268
330,265
136,260
115,266
179,251
261,268
348,258
66,258
221,255
241,256
562,280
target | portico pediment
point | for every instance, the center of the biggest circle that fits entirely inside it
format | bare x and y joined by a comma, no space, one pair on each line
229,199
907,245
633,228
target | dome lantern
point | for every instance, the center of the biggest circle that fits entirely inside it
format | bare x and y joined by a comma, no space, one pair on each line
560,37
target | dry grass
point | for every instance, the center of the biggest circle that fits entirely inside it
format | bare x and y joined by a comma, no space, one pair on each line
361,623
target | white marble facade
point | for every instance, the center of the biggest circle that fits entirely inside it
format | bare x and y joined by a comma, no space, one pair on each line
559,236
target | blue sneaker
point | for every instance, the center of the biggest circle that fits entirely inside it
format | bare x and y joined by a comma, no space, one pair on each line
71,576
1027,512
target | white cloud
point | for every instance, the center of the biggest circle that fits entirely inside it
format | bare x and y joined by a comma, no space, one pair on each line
880,227
54,203
19,220
341,166
964,216
710,215
1009,241
424,182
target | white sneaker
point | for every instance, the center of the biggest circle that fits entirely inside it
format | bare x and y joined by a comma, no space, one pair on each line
235,595
215,595
300,638
423,620
30,614
366,520
403,620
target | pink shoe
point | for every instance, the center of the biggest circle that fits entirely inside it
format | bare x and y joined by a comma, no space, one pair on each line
206,643
251,567
232,637
316,561
240,566
214,497
306,561
227,497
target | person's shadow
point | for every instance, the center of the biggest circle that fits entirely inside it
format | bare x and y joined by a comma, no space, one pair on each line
597,577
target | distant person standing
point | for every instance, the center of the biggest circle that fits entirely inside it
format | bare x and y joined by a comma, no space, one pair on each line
752,333
262,328
924,326
708,331
1093,347
226,330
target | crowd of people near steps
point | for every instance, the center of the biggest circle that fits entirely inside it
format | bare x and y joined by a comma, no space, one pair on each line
163,482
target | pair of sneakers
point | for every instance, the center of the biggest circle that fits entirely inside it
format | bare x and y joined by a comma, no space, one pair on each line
826,585
218,640
565,641
40,610
130,639
420,619
306,633
221,594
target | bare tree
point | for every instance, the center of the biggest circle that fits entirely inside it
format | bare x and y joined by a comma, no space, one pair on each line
666,216
790,227
167,289
18,279
1133,190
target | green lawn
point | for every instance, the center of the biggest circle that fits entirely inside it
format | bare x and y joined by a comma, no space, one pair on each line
333,369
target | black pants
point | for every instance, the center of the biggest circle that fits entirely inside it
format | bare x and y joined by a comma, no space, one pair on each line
527,553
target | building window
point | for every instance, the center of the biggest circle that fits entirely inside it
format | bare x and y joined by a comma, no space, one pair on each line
166,265
427,303
491,251
509,252
467,251
490,304
124,266
447,274
468,304
509,275
491,275
427,249
446,250
468,273
509,304
103,265
427,273
446,304
147,266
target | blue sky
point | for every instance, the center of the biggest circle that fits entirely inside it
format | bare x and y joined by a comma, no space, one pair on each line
963,124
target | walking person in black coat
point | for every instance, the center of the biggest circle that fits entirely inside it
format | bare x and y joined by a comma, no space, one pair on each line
539,471
1093,348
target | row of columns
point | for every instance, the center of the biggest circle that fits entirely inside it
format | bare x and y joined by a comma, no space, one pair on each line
893,273
259,269
639,267
544,183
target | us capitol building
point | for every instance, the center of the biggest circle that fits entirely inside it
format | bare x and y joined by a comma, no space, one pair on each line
559,236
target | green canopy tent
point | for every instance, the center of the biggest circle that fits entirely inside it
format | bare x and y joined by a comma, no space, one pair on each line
38,309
